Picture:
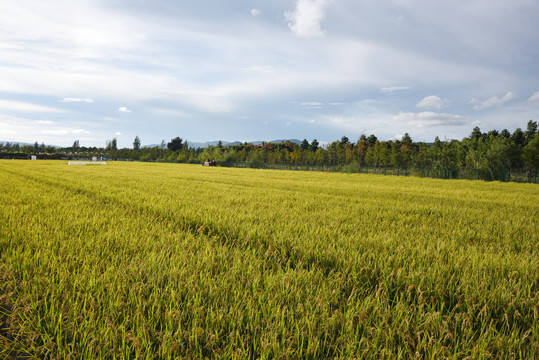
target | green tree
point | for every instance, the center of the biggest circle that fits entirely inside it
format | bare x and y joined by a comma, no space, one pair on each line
371,140
361,149
518,137
493,133
304,144
531,130
407,140
395,157
175,144
136,143
314,145
530,152
497,161
476,133
112,144
505,134
378,155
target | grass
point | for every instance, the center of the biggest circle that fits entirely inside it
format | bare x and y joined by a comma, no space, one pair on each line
138,260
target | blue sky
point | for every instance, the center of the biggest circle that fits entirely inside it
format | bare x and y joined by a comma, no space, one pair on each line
91,70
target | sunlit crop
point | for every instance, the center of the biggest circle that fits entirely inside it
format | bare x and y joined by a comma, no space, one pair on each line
145,260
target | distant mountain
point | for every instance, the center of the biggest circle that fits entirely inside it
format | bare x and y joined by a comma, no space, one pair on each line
21,144
228,143
285,140
16,143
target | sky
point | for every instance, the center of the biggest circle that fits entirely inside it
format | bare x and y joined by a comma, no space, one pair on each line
248,70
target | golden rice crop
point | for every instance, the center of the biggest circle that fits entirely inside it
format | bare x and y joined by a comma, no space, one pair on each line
146,260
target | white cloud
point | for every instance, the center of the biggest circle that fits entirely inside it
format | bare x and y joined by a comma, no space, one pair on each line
77,100
492,101
263,69
7,131
255,12
534,98
124,109
65,131
312,105
428,118
117,133
432,102
80,131
11,46
19,106
394,89
55,132
306,18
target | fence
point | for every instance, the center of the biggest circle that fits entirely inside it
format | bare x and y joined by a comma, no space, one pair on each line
522,176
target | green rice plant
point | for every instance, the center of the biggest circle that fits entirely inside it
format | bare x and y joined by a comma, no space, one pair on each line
142,260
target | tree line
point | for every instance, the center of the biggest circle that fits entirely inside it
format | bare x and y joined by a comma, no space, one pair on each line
490,154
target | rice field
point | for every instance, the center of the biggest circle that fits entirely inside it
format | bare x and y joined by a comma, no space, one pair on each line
148,260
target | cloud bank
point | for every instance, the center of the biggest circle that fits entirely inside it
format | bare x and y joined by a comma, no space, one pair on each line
428,118
393,89
534,98
25,107
77,100
203,74
432,102
306,19
493,101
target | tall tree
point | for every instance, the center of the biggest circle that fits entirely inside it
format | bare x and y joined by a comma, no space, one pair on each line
437,142
476,133
505,134
175,144
531,152
304,144
518,137
406,139
314,145
371,140
112,144
531,129
136,143
493,134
